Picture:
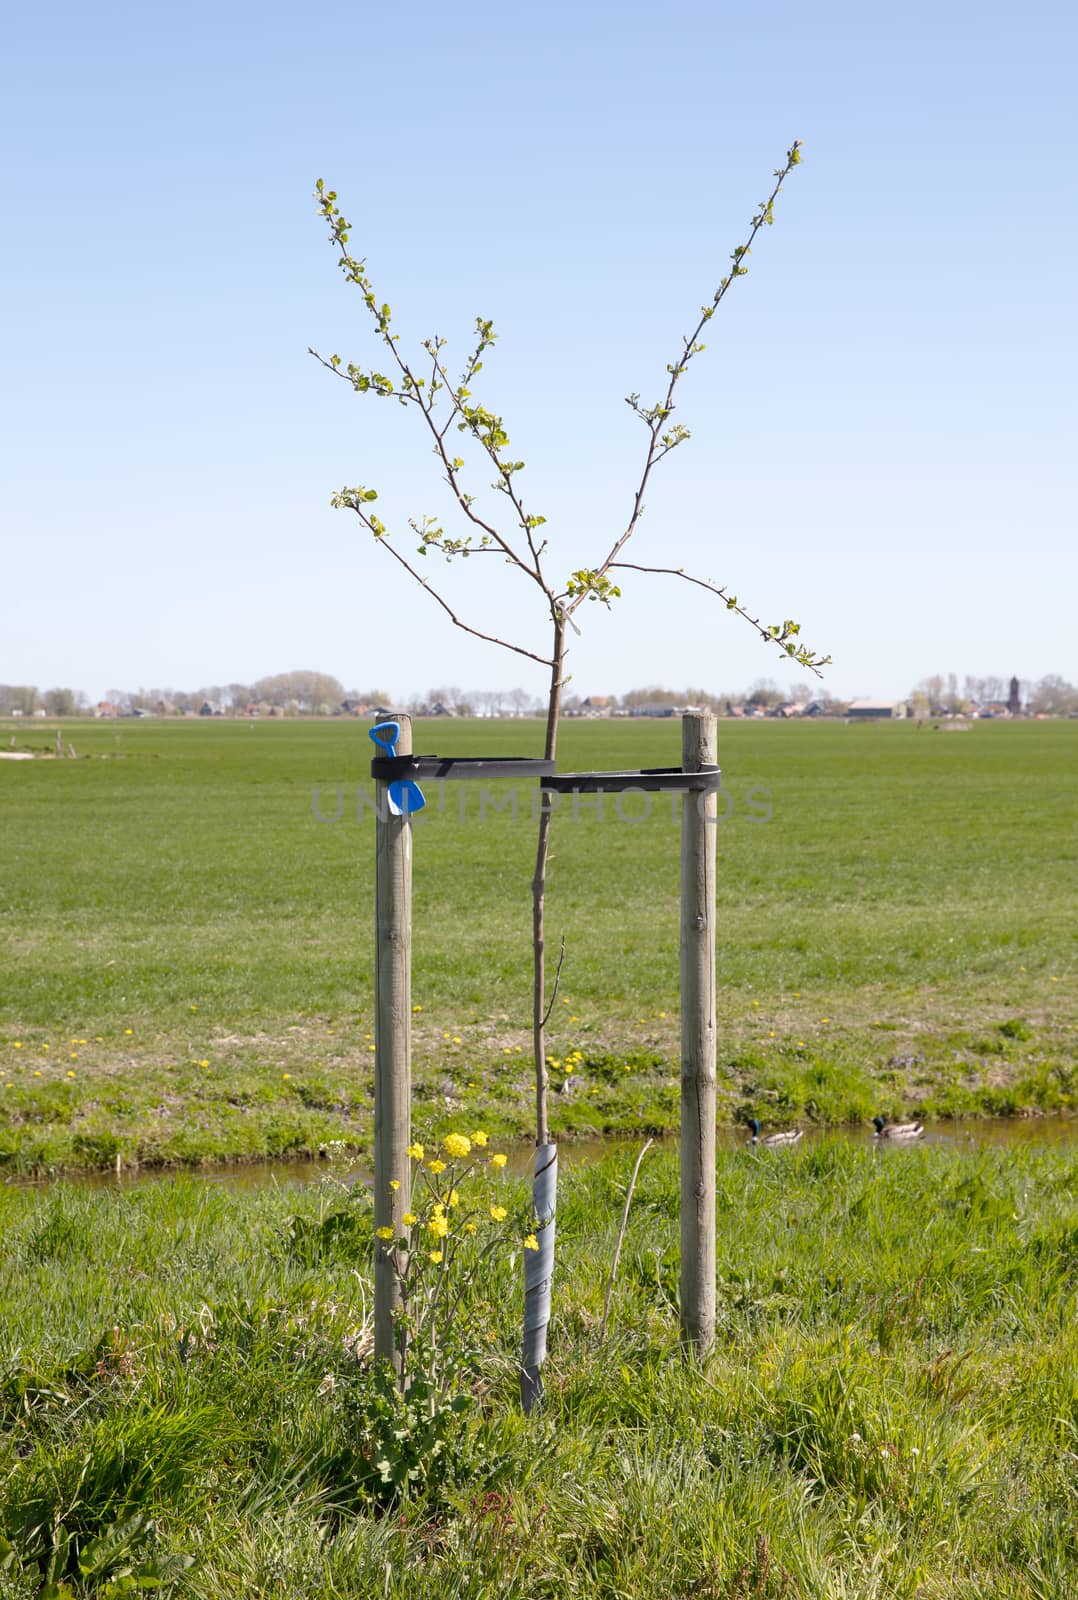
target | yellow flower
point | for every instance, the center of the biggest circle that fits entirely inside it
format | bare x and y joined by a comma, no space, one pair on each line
17,1044
479,1138
531,1242
409,1218
499,1213
469,1227
416,1009
394,1184
416,1151
456,1038
71,1074
438,1225
203,1063
436,1256
286,1076
455,1144
498,1161
129,1030
454,1197
436,1166
386,1233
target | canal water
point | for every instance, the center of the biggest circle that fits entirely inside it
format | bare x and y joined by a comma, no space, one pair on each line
982,1134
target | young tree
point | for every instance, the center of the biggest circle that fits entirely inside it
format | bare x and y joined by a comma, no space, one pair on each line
447,410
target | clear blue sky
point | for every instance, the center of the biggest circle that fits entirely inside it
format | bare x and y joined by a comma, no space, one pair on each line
883,424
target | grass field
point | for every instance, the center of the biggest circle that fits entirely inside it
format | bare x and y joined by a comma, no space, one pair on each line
891,1412
188,948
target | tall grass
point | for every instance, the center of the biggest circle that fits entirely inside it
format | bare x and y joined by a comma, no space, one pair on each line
891,1409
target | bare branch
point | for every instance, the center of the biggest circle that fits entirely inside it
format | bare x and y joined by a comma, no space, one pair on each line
425,583
771,635
557,981
656,418
477,633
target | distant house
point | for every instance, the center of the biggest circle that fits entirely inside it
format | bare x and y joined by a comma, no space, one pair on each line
439,709
789,708
105,708
596,705
654,710
880,709
208,709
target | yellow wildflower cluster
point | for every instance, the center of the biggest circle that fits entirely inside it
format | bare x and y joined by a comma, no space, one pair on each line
498,1160
457,1146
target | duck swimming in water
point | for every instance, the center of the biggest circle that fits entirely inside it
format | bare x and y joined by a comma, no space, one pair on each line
897,1132
774,1141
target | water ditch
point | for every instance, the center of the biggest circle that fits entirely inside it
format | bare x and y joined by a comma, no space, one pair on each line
999,1133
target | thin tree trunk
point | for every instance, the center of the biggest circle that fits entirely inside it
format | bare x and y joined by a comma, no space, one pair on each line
542,853
539,1264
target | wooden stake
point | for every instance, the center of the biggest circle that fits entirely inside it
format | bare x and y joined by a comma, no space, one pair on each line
698,827
392,1054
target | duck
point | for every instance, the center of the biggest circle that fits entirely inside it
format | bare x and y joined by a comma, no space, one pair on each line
775,1141
897,1132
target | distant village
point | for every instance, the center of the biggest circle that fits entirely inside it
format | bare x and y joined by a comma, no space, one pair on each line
315,694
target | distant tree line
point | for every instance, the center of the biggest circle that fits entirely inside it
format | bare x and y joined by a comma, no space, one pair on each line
940,695
321,694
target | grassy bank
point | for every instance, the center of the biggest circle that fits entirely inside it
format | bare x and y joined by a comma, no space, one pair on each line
188,950
891,1410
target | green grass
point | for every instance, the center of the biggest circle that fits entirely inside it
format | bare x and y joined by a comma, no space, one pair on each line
890,1413
900,935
